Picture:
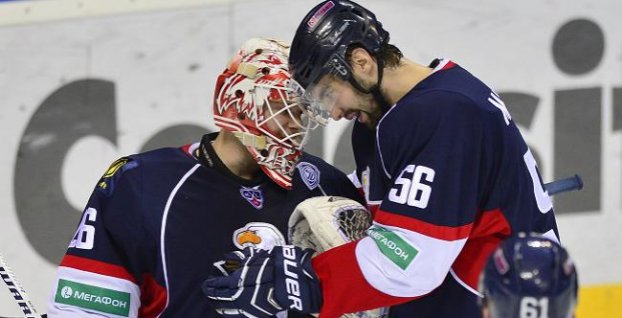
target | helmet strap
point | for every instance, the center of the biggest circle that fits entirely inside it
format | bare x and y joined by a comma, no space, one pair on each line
250,140
374,90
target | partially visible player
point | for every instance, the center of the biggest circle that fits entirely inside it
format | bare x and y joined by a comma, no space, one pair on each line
529,276
445,167
157,224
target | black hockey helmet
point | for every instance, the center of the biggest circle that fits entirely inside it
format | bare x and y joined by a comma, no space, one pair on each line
529,274
320,44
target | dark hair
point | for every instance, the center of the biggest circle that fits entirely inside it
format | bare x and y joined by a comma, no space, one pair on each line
389,54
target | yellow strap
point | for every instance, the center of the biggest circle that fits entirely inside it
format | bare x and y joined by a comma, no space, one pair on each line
247,69
257,142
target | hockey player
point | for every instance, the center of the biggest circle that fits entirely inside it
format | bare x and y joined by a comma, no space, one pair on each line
447,174
529,276
157,222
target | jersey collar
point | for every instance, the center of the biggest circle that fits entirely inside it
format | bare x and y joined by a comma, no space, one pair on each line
207,156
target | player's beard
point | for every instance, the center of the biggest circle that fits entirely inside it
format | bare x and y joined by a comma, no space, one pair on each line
370,111
370,120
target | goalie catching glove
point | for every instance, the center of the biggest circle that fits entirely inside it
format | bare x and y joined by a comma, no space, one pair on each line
268,282
322,223
325,222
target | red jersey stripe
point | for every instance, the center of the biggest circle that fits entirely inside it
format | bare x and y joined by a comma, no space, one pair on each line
340,277
449,65
152,297
489,229
447,233
186,149
98,267
372,209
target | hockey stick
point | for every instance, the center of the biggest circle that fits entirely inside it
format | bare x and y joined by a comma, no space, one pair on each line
564,185
18,293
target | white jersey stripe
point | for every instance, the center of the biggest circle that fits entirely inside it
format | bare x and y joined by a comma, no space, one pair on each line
465,285
550,234
442,63
163,229
430,261
355,179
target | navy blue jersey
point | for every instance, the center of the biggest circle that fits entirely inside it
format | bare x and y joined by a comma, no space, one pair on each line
449,177
157,222
363,145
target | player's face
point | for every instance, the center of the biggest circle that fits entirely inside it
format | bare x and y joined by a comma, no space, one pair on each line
340,100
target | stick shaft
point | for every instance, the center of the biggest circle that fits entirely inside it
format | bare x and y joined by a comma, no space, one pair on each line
564,185
18,293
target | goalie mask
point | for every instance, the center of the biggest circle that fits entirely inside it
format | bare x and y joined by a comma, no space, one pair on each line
253,100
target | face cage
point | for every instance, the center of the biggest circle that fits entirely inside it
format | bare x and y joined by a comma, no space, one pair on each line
317,106
303,123
278,162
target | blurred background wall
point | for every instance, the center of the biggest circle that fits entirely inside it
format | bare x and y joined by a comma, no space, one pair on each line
83,82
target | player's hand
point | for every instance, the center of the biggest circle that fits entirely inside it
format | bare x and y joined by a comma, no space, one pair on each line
267,283
233,261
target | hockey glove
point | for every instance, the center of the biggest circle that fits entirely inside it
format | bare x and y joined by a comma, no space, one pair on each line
267,283
233,261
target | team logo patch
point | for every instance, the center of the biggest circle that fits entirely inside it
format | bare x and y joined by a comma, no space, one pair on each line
106,182
115,166
395,248
254,196
309,174
95,298
258,235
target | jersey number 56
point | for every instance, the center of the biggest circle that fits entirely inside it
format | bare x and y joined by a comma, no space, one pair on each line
409,187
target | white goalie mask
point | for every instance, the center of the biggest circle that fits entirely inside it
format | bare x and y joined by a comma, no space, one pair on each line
253,100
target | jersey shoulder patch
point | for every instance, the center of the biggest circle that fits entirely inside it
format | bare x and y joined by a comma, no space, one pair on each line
107,182
309,173
308,159
310,166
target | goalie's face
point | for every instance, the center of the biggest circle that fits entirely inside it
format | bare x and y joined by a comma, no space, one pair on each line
284,121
